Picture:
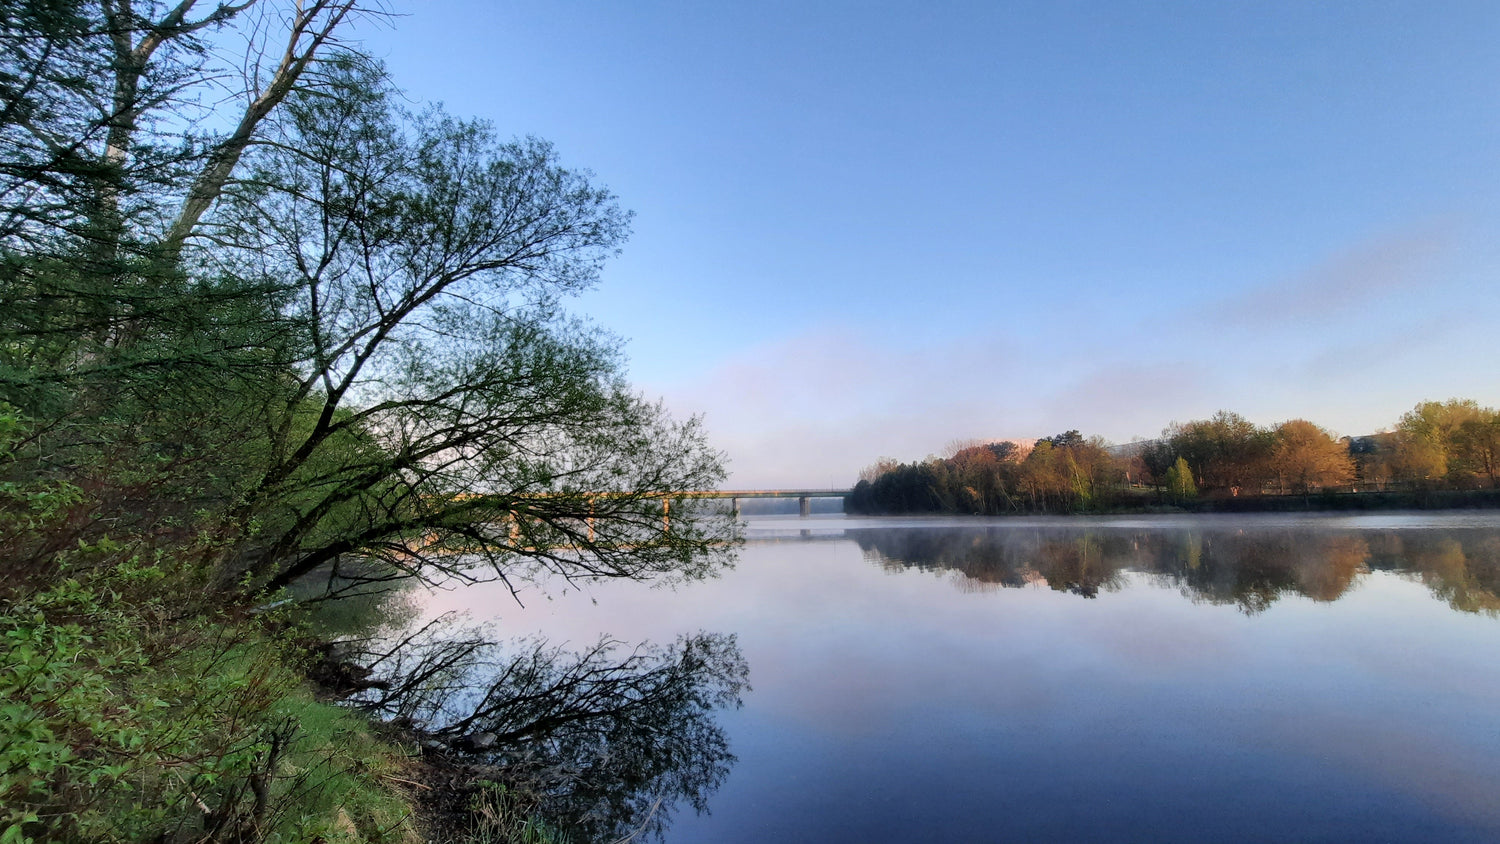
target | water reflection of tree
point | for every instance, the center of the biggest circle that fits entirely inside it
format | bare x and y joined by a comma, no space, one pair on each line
1081,563
1462,568
604,743
1254,570
1250,569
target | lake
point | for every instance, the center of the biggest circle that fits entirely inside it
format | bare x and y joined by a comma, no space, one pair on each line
1277,678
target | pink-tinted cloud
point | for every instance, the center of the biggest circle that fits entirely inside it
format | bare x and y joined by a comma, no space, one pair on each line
1351,281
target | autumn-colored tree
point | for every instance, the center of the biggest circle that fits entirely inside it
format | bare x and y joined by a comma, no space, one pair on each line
1325,570
1454,442
878,468
1066,472
1041,477
982,475
1307,457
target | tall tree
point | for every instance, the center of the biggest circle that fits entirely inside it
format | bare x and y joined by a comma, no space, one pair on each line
1430,443
1178,480
1478,444
440,391
133,367
1307,457
337,325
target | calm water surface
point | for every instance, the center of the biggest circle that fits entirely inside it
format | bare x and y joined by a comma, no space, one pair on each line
1128,679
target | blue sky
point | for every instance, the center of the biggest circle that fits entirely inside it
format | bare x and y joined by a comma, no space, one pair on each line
868,229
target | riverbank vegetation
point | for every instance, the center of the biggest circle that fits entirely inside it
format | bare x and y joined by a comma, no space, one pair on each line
1438,453
268,333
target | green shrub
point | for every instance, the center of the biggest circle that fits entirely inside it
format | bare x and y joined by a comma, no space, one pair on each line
119,724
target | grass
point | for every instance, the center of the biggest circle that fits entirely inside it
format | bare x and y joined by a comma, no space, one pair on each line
121,723
500,814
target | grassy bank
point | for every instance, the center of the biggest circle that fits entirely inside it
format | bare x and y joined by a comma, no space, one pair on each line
127,719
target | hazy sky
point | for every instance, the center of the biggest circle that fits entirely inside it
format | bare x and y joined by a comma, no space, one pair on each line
868,229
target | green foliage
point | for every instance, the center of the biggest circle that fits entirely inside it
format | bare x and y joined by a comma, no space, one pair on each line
120,725
28,505
1455,441
504,815
1179,481
353,348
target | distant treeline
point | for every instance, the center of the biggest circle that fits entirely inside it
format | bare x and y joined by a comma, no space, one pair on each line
1216,463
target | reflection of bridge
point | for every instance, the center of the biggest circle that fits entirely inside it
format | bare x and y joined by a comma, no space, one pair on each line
804,496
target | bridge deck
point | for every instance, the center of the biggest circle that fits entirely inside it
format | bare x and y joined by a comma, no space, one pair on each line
768,493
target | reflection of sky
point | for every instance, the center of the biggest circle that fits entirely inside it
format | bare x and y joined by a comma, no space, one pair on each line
889,705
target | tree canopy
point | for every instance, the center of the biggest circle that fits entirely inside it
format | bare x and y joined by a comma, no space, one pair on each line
335,325
1306,457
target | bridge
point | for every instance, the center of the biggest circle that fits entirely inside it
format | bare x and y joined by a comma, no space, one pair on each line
804,496
804,501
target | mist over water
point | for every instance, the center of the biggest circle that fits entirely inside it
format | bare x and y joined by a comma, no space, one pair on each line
1075,679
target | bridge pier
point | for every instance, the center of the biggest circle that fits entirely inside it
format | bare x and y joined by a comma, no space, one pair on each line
734,507
805,503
